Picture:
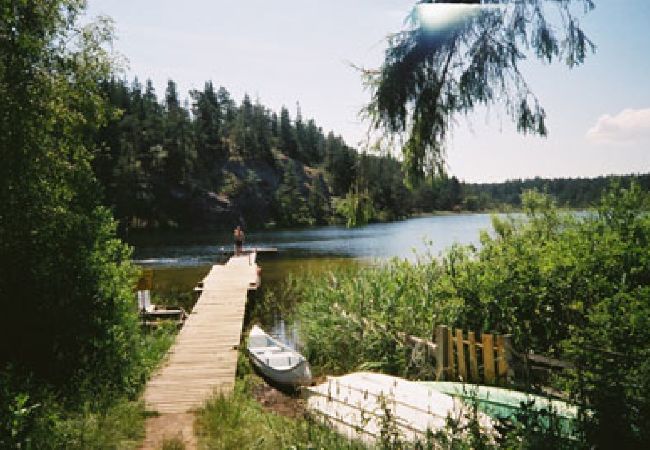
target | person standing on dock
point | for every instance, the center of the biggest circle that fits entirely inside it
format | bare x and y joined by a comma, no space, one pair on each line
239,240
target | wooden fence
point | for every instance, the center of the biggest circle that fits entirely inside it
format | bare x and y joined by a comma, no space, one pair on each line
482,358
486,358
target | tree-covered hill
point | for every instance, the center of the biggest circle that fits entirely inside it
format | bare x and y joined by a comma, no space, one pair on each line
211,163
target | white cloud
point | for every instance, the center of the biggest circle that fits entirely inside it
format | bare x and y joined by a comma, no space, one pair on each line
630,126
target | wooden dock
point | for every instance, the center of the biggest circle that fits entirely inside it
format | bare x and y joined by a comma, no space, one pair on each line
203,360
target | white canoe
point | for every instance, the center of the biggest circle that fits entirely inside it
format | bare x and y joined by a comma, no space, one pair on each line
277,361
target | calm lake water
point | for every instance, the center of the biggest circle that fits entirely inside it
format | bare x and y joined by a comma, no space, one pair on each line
403,239
180,261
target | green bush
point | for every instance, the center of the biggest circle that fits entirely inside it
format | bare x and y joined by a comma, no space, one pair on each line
66,280
34,415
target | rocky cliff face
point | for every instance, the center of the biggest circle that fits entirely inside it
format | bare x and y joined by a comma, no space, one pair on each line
247,193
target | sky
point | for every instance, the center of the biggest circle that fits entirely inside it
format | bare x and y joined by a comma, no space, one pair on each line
290,51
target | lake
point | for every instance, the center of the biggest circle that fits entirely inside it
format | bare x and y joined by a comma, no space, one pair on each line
180,261
402,239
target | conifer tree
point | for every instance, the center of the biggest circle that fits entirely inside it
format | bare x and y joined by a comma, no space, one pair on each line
177,141
288,143
208,123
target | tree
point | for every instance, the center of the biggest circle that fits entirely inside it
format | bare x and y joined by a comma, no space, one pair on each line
291,207
357,208
288,143
65,280
207,123
429,76
262,126
340,163
177,141
318,201
242,135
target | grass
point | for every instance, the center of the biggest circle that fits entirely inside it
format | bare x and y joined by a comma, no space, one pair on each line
396,296
239,421
173,444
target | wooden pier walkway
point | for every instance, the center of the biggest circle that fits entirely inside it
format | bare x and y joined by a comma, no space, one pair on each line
203,360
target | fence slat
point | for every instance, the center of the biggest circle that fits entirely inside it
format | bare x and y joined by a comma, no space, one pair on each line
502,360
460,353
488,358
442,355
473,363
450,349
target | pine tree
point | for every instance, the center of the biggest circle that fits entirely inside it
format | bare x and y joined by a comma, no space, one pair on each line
288,144
177,141
291,206
208,124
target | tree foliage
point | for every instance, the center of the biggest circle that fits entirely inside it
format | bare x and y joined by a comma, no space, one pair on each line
428,76
65,281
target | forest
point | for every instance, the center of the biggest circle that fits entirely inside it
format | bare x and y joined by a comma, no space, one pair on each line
212,163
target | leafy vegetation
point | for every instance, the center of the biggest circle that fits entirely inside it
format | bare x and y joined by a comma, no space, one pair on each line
216,163
567,192
34,415
65,280
429,76
72,356
564,285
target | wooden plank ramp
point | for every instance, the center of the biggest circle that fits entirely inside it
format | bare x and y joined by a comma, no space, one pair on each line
203,359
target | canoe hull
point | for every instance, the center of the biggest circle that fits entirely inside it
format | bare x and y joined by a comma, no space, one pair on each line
300,375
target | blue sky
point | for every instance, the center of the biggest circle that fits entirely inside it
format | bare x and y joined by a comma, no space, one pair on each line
300,50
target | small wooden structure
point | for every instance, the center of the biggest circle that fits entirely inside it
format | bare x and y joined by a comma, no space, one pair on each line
461,356
481,358
151,315
204,357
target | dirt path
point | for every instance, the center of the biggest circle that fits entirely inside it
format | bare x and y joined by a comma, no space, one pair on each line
170,426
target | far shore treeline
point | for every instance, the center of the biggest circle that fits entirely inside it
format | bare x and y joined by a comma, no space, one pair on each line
211,162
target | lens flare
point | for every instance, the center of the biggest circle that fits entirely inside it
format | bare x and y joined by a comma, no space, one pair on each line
445,18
